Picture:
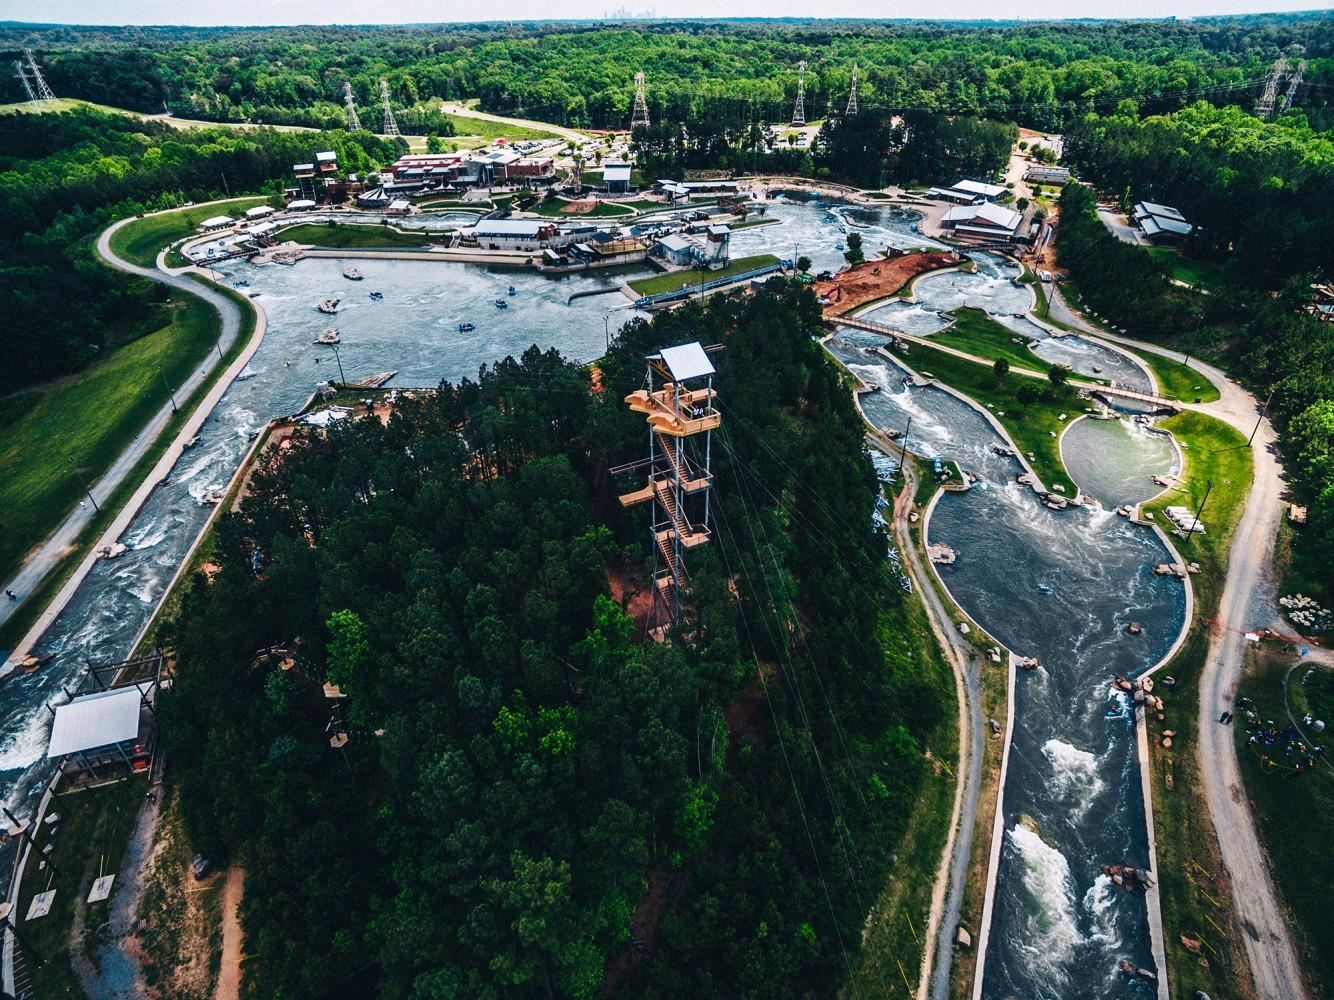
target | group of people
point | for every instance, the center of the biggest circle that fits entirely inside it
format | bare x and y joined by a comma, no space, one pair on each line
1268,739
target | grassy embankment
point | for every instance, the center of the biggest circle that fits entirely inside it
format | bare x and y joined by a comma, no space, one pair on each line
139,241
88,418
343,235
895,935
1294,813
22,620
1035,428
1177,380
95,826
1193,886
1195,273
994,696
674,280
977,333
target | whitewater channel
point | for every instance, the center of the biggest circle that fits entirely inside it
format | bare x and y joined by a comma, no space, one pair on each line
1061,586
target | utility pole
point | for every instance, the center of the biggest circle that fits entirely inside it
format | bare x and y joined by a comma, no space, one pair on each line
852,94
390,125
640,114
82,482
341,377
1263,410
353,122
1200,510
171,394
799,110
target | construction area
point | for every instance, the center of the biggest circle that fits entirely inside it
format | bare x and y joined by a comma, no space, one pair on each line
877,279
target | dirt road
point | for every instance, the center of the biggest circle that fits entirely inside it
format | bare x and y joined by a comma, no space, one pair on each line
1248,601
578,138
229,974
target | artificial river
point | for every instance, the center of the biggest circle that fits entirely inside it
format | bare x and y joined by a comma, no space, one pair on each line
1061,586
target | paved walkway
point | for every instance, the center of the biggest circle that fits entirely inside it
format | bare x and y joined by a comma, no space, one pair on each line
47,556
1248,601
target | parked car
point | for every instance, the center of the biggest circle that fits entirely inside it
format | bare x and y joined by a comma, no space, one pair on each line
200,866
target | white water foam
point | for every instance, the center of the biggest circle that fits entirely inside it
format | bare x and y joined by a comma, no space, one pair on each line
27,746
1102,915
1074,774
1051,933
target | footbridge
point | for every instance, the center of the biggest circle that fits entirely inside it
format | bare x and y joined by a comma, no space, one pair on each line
1110,393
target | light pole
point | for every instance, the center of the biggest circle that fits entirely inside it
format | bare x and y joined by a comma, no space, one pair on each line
606,329
903,451
341,377
82,482
1263,410
1200,510
170,393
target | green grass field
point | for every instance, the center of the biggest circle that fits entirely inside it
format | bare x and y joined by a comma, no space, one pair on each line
89,417
139,241
1176,380
977,333
345,235
660,283
1035,428
1196,273
1217,453
555,208
1294,812
466,126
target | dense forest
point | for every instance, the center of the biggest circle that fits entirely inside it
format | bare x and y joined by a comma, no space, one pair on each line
1041,75
64,177
867,149
527,774
1260,194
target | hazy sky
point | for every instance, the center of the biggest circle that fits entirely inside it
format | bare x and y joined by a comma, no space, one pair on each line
415,11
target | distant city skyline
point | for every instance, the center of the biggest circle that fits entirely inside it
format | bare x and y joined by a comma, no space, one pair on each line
357,12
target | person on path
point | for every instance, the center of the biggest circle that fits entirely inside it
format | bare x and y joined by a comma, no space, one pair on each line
11,595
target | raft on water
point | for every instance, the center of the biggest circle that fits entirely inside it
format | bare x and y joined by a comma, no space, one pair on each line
329,336
351,273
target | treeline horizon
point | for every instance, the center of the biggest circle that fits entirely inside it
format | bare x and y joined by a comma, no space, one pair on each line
580,74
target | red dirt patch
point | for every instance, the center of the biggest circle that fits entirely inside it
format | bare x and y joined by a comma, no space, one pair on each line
878,279
633,595
643,927
579,207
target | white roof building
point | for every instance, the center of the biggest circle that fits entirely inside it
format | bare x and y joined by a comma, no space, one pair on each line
96,720
509,227
300,205
986,219
258,212
263,228
616,172
326,157
1161,221
987,191
217,222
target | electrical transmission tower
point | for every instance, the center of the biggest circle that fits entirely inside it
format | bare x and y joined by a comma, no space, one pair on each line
1265,106
852,94
640,114
676,484
23,78
353,122
390,125
799,110
43,91
1294,82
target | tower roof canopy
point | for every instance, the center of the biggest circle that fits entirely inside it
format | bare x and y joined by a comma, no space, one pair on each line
687,361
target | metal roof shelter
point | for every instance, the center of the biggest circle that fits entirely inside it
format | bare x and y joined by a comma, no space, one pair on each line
687,361
258,212
93,721
978,188
217,222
